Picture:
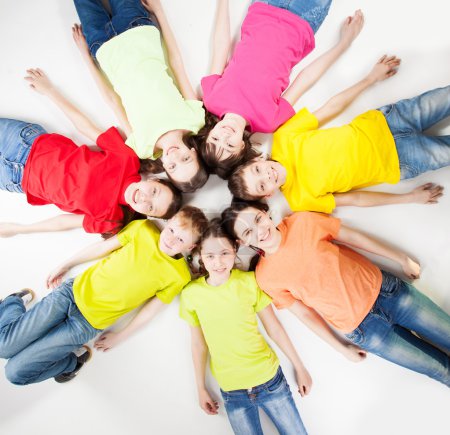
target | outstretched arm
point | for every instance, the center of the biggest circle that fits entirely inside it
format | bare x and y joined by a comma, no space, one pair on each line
111,339
278,334
105,88
312,73
426,194
317,325
41,83
386,67
175,60
221,38
62,222
359,240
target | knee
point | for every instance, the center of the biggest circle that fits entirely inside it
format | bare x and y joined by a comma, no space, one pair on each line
17,373
6,350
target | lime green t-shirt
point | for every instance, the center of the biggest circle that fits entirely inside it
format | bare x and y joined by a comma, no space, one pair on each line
240,356
338,159
129,276
134,64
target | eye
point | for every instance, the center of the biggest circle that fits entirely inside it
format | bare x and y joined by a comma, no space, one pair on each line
210,257
150,208
171,230
257,169
186,159
261,187
154,191
258,219
180,239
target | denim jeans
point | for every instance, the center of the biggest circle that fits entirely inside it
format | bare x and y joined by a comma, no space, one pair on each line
274,397
387,330
16,138
407,120
39,343
99,26
312,11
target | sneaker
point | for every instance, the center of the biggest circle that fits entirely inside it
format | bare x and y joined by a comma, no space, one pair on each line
81,360
26,294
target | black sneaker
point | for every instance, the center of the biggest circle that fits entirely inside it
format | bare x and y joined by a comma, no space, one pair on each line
26,294
81,360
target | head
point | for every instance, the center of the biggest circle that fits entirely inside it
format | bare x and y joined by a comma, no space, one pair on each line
257,179
217,250
183,231
153,197
183,166
223,145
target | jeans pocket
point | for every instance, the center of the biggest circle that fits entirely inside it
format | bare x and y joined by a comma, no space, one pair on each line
356,336
390,285
277,383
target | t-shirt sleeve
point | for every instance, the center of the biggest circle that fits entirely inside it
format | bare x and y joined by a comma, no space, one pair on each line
285,112
302,121
197,111
320,226
207,84
168,293
324,203
104,224
187,313
111,140
129,232
282,298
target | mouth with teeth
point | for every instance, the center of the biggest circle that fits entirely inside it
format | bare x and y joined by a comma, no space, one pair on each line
266,236
135,196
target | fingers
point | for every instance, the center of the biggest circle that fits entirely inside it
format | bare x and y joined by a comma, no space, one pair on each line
434,191
210,407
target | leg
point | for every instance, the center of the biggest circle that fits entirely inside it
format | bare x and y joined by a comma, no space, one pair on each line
128,14
16,139
242,413
278,404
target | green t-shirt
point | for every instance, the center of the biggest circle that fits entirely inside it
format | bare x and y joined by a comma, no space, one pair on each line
134,64
240,356
129,276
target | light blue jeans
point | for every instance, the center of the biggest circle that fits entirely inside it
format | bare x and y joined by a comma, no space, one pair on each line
16,138
39,343
387,330
274,397
312,11
408,119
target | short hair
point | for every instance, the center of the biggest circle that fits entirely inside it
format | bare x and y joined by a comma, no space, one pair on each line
195,217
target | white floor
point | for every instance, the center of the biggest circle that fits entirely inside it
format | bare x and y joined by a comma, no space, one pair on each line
146,385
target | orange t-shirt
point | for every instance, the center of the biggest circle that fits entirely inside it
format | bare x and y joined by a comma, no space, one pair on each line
337,282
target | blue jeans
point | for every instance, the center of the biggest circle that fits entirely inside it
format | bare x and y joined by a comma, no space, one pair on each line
407,120
39,343
274,397
99,26
16,138
387,330
312,11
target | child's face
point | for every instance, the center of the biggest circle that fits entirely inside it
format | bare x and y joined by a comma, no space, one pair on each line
177,237
180,162
218,256
263,177
149,197
254,227
226,136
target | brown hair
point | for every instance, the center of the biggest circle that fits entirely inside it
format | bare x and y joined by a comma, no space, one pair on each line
196,218
222,168
237,185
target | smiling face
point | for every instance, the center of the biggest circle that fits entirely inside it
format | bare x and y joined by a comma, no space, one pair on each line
218,257
263,177
180,162
177,237
149,197
226,137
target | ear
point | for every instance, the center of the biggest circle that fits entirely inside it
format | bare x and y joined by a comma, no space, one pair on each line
269,195
261,157
193,150
192,247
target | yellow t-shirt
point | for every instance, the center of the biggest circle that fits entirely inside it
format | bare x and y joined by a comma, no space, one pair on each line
338,159
134,64
240,356
129,276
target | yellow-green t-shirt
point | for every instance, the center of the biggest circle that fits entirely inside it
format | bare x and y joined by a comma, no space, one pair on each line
134,64
240,356
129,276
338,159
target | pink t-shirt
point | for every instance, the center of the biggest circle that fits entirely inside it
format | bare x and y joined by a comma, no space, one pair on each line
273,41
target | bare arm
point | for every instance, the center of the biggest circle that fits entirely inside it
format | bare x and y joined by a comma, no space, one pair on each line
175,59
91,252
317,325
40,83
61,222
312,73
199,357
426,194
110,339
221,42
105,88
359,240
386,67
278,334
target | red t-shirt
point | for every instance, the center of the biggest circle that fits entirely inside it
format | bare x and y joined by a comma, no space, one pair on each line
80,180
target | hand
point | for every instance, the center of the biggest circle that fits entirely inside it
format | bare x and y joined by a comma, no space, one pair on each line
80,40
411,268
56,276
386,67
107,341
352,27
39,81
206,402
354,353
304,381
9,229
427,194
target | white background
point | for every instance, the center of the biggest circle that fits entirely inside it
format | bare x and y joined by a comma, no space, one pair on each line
146,385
